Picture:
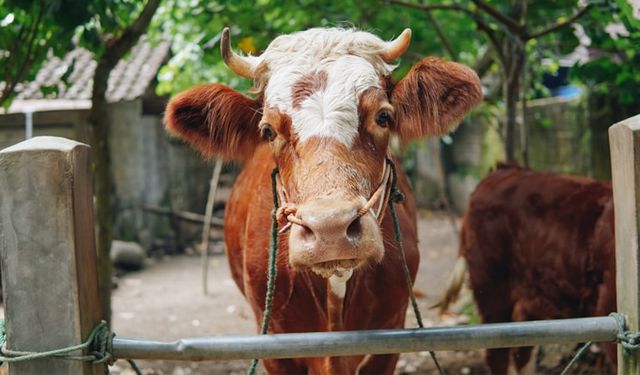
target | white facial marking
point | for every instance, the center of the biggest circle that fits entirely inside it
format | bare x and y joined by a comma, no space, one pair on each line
333,112
338,282
352,62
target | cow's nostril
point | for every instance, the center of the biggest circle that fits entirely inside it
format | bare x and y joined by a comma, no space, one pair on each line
306,234
354,231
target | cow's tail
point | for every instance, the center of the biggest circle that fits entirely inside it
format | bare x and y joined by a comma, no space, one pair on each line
454,285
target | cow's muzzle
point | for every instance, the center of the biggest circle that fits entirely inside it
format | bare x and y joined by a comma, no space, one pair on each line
330,235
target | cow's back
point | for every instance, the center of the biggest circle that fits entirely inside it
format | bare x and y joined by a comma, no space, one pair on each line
539,246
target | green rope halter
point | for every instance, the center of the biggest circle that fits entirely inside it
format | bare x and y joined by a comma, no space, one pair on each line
273,270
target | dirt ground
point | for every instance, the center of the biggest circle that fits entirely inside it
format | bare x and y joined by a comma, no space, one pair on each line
165,302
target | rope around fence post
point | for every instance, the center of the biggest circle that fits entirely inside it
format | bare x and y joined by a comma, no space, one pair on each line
629,340
273,270
398,197
99,340
99,344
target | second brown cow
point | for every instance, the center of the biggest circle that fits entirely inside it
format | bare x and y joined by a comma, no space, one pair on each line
538,245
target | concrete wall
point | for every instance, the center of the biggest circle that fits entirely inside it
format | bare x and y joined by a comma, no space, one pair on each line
427,175
559,136
54,123
564,136
456,167
152,170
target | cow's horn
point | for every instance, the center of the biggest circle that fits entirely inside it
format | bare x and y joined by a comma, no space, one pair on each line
396,47
243,66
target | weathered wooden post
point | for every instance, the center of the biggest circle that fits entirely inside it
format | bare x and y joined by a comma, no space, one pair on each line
624,140
47,251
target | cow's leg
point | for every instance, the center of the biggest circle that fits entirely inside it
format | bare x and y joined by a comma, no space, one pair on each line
497,360
284,367
494,307
521,356
485,245
380,364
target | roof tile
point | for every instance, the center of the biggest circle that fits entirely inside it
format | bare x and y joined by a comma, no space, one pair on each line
128,80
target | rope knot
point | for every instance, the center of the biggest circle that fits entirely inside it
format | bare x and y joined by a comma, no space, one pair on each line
629,340
102,345
395,195
99,344
283,212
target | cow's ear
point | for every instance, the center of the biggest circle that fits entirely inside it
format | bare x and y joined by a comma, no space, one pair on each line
433,97
217,120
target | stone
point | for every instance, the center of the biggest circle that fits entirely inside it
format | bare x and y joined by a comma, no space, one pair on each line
129,256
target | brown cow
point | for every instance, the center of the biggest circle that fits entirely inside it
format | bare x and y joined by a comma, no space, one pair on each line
537,245
325,109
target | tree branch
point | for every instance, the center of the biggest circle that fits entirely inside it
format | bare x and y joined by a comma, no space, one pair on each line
494,42
560,25
445,42
509,22
484,63
481,24
117,48
430,7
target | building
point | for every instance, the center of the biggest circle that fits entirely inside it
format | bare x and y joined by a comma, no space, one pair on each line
152,173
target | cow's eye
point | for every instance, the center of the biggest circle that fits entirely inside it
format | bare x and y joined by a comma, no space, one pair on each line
383,118
267,133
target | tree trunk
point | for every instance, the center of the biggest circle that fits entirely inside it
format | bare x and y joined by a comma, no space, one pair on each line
524,126
512,91
511,101
99,123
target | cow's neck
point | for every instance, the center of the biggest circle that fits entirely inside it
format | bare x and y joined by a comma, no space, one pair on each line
337,290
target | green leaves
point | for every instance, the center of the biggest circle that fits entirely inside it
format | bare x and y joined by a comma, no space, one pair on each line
194,26
614,68
29,30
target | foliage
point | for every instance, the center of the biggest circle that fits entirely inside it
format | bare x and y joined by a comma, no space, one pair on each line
196,26
109,21
614,34
30,30
520,33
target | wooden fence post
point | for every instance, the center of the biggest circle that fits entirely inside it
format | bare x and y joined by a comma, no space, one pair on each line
624,138
47,251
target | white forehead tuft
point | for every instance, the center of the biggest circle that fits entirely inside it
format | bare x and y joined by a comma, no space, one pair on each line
333,112
352,63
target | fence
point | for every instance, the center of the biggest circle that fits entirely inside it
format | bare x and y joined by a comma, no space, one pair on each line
48,265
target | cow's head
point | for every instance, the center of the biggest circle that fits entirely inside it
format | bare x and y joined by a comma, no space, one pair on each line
326,107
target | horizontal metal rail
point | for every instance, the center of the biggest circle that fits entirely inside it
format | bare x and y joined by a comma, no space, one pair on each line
319,344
